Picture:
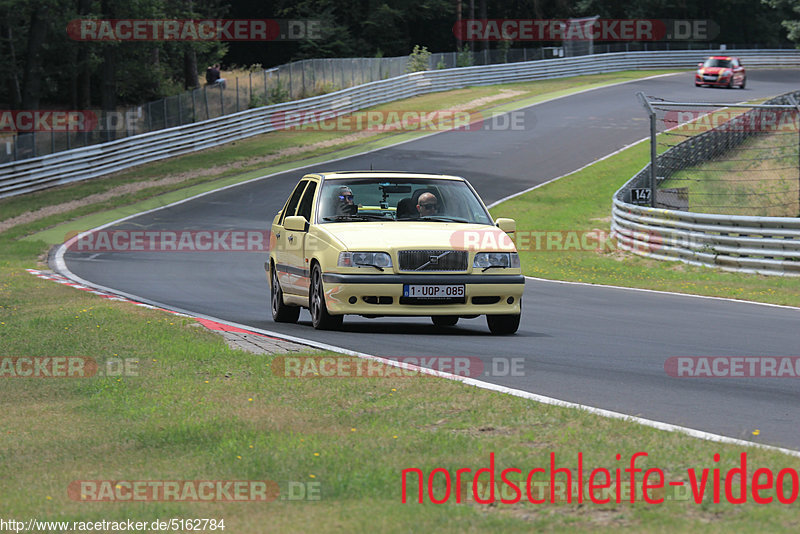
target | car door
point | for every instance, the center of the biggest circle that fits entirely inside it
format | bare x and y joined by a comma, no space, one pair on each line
286,275
296,243
738,71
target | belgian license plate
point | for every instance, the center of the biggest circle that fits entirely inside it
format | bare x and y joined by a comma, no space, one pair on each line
432,291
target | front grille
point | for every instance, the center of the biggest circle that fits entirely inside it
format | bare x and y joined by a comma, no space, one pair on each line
433,260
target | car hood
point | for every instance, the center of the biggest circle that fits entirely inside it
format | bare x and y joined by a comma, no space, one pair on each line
404,235
713,70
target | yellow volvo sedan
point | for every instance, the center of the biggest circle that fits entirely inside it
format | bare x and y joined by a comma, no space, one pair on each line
392,244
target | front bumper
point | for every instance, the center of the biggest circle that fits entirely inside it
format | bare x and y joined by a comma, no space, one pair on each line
368,294
700,80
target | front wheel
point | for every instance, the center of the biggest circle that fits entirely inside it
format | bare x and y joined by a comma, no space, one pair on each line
320,318
503,325
744,82
281,313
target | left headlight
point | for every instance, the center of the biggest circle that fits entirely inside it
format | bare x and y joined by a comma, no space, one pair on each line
485,260
366,259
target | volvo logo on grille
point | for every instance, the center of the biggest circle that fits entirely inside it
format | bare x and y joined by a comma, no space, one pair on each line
434,259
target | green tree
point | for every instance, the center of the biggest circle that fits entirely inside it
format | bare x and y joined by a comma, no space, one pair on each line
790,13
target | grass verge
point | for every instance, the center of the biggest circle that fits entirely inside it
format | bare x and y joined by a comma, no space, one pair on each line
759,178
197,410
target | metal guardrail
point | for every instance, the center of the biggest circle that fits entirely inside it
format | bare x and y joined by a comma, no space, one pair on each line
760,245
97,160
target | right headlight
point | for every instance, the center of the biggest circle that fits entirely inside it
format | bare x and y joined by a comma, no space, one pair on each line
485,260
364,259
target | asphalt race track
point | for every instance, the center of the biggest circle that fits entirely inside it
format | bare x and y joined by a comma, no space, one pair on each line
598,346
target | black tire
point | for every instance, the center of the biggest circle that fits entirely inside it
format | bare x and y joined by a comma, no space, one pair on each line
503,325
320,318
444,320
744,82
730,83
281,313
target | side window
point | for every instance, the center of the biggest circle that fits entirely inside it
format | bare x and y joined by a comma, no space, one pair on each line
293,201
307,204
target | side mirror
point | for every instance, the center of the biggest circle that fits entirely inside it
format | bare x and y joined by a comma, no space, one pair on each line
509,226
296,223
700,64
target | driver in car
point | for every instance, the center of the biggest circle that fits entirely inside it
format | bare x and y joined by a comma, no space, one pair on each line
427,204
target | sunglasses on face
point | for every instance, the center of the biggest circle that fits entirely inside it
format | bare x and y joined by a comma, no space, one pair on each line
346,197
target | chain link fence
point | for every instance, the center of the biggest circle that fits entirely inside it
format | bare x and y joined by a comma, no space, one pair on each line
292,81
727,159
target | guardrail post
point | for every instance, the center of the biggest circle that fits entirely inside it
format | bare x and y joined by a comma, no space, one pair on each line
237,94
304,92
653,146
291,87
221,101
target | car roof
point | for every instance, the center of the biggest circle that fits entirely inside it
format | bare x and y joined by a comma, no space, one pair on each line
722,57
345,175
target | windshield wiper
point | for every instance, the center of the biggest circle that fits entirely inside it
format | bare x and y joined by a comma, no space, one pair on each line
357,217
440,218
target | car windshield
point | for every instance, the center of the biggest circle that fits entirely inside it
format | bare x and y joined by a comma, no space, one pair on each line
722,63
396,199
